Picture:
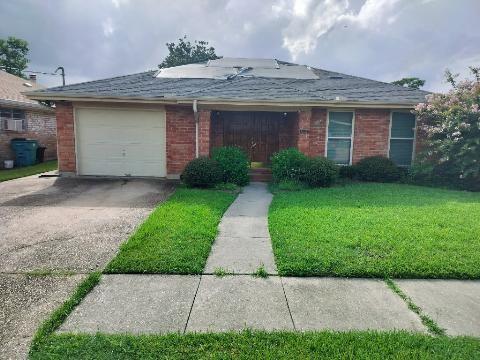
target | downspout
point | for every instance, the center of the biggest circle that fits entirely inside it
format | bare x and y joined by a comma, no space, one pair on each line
196,116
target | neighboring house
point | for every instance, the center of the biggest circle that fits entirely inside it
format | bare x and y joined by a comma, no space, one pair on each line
21,117
154,123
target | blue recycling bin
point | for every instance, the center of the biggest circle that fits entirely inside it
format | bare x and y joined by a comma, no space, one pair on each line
25,151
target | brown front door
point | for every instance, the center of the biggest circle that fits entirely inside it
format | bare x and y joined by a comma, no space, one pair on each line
256,132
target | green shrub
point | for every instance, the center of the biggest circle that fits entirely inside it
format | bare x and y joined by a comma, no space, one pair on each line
289,164
347,172
233,163
442,175
377,168
202,173
320,172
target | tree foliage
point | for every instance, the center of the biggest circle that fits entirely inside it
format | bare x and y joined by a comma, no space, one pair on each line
13,55
450,126
187,53
410,82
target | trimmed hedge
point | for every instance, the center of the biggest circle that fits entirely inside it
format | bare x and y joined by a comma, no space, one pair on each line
289,164
347,172
233,163
320,172
202,173
292,166
378,169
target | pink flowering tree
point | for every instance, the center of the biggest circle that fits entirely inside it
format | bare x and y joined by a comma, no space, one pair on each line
450,133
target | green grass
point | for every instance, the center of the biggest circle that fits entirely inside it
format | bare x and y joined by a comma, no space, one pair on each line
259,345
377,230
28,170
177,237
59,315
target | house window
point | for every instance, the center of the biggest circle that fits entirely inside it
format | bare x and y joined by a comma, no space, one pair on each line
12,120
402,138
340,137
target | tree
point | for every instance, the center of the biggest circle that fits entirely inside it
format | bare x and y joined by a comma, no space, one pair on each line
450,134
13,55
187,53
410,82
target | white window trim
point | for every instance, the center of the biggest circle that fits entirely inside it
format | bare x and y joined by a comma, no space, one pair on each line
351,138
399,138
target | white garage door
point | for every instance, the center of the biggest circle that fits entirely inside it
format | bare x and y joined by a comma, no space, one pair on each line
120,142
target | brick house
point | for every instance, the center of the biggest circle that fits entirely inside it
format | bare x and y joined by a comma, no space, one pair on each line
153,123
21,117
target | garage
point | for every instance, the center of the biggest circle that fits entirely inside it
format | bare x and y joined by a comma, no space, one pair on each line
120,142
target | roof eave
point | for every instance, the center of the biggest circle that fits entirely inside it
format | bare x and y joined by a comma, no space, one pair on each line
25,105
219,101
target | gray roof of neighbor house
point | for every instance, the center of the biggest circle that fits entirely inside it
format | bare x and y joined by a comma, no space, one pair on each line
240,80
12,90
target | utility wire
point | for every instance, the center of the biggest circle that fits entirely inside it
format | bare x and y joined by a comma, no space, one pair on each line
29,71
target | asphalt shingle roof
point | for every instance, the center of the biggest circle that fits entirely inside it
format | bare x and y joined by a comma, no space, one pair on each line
330,86
12,88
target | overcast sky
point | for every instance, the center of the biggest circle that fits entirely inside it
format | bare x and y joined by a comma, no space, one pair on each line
379,39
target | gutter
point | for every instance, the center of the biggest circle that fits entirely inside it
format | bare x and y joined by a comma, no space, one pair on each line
228,102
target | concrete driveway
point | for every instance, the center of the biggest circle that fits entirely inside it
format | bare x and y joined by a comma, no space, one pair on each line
62,226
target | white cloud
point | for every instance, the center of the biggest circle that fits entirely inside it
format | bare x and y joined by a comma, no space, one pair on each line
108,27
118,3
309,20
373,13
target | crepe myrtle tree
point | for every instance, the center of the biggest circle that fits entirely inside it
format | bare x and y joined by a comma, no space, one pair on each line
450,132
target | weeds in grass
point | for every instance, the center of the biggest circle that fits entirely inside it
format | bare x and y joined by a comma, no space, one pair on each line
431,325
221,272
261,272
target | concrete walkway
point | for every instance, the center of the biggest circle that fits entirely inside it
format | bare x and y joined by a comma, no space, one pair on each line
243,243
161,304
207,303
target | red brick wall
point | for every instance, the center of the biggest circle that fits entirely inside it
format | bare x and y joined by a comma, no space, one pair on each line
371,133
65,137
41,126
312,131
304,123
318,132
204,132
180,138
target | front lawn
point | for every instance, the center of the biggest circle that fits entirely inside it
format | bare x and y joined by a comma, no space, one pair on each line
177,237
258,345
9,174
377,230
